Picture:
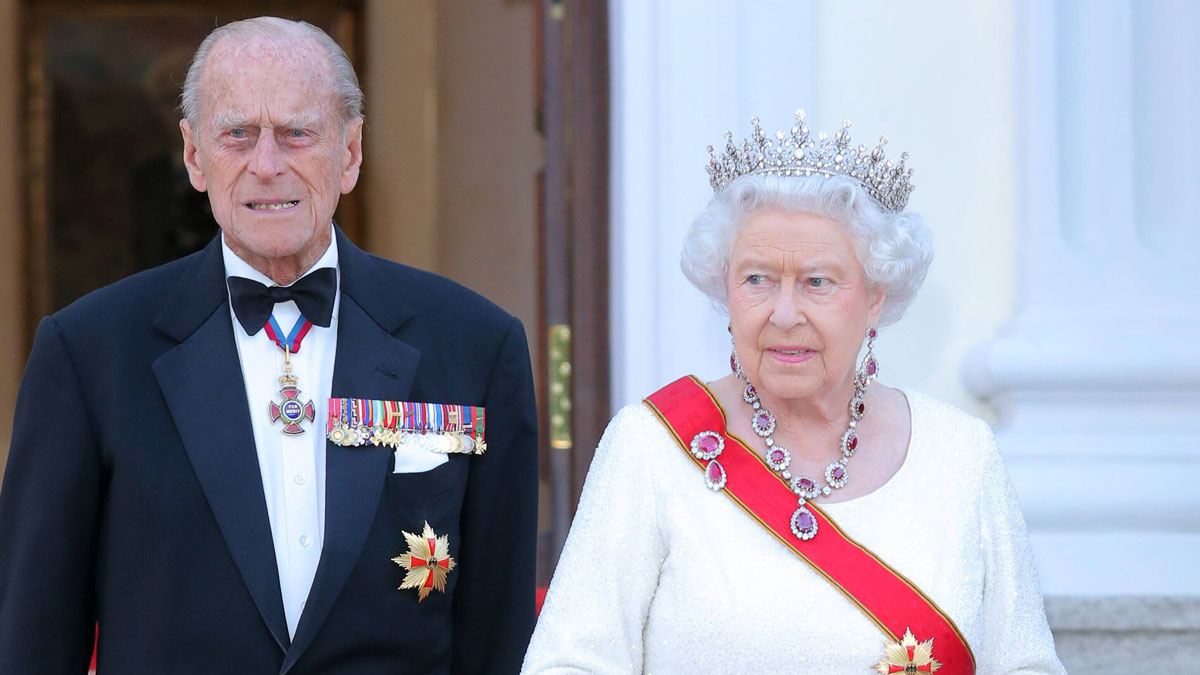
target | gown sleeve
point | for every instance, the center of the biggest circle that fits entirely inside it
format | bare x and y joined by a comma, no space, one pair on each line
1016,637
596,607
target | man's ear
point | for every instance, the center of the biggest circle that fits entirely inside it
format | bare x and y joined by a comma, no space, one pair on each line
352,154
195,173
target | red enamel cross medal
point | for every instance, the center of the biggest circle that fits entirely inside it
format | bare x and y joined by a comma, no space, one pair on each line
291,410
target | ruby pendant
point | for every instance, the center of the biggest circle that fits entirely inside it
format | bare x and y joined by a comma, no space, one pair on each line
804,525
714,476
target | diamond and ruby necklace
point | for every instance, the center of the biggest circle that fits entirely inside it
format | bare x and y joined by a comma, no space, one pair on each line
708,445
779,458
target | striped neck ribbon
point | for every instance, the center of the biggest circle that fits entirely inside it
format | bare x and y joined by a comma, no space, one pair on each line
289,342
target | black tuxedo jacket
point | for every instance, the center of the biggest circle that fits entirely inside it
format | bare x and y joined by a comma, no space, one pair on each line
133,499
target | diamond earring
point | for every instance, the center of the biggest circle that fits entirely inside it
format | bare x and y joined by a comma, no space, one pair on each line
869,368
735,364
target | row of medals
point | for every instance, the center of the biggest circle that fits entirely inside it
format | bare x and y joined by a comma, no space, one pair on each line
345,435
444,442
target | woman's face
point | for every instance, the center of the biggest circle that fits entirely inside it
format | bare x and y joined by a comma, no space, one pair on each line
799,303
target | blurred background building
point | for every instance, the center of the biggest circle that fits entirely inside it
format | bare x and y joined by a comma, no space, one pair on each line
551,153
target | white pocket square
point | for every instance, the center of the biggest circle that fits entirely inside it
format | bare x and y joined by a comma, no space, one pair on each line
411,459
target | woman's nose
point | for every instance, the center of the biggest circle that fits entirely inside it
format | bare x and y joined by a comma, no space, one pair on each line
790,307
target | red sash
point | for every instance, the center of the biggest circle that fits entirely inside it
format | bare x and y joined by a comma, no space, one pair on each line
900,609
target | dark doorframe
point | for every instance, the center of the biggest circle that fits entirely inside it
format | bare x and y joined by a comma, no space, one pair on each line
101,82
573,116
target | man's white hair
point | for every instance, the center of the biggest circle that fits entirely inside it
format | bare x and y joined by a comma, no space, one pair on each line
347,96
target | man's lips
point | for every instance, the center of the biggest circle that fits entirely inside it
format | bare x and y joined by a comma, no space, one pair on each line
271,205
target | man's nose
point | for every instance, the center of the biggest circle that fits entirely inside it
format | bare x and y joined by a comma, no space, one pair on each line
267,161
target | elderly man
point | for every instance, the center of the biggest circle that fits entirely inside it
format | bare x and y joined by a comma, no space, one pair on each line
174,475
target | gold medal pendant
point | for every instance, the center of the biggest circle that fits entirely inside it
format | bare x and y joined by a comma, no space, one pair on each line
908,656
291,410
428,562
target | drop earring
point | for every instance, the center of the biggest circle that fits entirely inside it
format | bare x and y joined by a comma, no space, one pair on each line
735,364
869,368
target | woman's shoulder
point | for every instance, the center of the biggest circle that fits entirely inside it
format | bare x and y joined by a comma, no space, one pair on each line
633,419
929,410
634,449
940,427
636,427
641,416
631,430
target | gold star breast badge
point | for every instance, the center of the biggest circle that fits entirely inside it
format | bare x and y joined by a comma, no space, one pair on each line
428,562
908,656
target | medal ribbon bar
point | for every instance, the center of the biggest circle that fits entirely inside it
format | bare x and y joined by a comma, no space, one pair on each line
437,427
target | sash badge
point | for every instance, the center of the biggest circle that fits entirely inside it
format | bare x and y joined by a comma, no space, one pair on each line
908,656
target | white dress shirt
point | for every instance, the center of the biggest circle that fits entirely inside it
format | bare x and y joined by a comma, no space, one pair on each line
292,467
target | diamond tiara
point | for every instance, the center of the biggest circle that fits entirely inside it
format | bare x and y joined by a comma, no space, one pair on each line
797,154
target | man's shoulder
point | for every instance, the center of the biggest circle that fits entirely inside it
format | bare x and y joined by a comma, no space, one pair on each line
430,294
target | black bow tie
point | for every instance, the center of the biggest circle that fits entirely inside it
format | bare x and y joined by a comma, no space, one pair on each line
312,293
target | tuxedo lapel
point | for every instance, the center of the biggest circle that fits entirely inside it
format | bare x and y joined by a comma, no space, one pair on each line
370,363
201,380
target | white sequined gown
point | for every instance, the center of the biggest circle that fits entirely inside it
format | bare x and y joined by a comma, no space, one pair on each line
662,575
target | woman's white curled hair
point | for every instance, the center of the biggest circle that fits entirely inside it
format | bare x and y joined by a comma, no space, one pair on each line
895,249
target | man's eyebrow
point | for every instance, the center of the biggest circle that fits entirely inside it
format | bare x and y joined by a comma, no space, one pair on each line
232,119
229,119
305,119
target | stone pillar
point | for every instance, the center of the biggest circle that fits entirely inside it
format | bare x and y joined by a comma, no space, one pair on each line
1096,380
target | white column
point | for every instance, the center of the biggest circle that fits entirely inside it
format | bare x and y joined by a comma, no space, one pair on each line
684,71
1096,380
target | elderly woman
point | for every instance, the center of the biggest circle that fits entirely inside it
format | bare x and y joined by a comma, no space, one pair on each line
797,516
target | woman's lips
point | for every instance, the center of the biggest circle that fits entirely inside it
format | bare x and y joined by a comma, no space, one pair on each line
791,354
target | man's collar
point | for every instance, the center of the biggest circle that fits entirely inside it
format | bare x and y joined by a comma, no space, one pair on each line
236,267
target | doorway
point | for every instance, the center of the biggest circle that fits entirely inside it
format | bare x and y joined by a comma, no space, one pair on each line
487,147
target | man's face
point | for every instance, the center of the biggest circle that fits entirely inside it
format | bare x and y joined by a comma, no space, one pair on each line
269,149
